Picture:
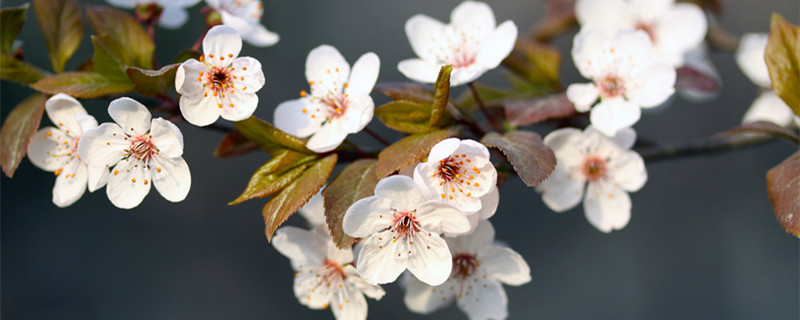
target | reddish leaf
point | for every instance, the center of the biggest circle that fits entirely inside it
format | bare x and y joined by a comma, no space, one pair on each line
276,174
694,79
234,144
20,125
768,128
62,27
406,91
410,150
123,36
355,182
783,187
153,82
18,71
522,112
532,160
269,138
82,85
783,61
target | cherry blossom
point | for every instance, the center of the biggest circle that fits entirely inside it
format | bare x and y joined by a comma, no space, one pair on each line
245,17
479,270
173,13
140,152
673,28
767,106
314,210
325,274
401,231
472,43
221,83
604,166
55,149
338,104
624,78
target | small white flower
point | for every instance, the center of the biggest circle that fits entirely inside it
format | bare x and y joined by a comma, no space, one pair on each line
605,164
401,231
339,103
174,13
624,78
473,43
221,83
479,269
674,29
325,274
140,153
245,17
55,149
767,106
314,210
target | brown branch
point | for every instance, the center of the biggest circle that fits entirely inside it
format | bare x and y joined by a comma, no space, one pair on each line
702,147
483,108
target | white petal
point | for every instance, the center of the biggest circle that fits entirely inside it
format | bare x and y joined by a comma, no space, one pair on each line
199,110
426,35
419,70
62,111
249,28
487,300
473,13
466,75
349,303
307,288
625,138
302,247
70,184
587,52
561,192
103,146
314,210
607,15
125,4
612,115
131,115
360,110
376,261
258,35
173,17
682,28
367,216
425,299
607,207
565,143
364,75
290,118
498,45
45,149
627,170
185,81
239,106
369,290
86,122
769,107
489,203
327,67
221,44
654,85
430,259
166,137
126,186
650,9
438,216
403,192
249,75
329,136
505,265
179,3
582,95
174,180
473,242
631,46
98,177
443,149
750,58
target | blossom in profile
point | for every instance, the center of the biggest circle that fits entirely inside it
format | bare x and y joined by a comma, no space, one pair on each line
170,14
339,102
55,149
623,76
767,106
140,152
472,43
325,275
245,17
603,168
401,230
221,83
480,267
673,28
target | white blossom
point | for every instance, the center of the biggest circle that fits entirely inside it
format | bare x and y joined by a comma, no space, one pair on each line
673,28
401,230
314,210
623,77
604,166
473,43
325,275
55,149
173,14
221,83
140,152
339,103
479,270
245,17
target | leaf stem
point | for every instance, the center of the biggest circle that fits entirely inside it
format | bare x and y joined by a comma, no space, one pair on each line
483,108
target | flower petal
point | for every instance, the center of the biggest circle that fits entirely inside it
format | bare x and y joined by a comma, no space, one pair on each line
588,52
769,107
603,14
334,253
329,136
611,115
45,149
565,143
103,146
132,116
364,75
582,95
307,288
360,110
327,68
185,81
98,177
376,261
290,118
349,303
419,70
314,210
439,216
239,106
258,35
249,75
473,242
607,207
166,137
173,17
627,170
505,265
497,45
750,58
220,43
86,122
302,247
653,86
199,110
561,191
478,15
129,184
426,36
489,203
430,259
681,28
171,177
367,216
62,111
369,290
487,300
405,195
425,299
70,184
443,149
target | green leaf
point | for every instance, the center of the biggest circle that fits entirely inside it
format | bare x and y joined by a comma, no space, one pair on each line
20,125
405,116
11,21
532,160
355,182
82,85
281,206
153,82
234,144
441,116
411,149
525,111
276,174
270,139
18,71
783,187
121,36
768,128
106,63
62,28
783,61
408,91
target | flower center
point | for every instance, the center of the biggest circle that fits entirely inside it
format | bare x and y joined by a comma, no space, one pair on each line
337,106
611,86
594,168
454,177
219,80
405,224
462,60
464,265
648,28
142,148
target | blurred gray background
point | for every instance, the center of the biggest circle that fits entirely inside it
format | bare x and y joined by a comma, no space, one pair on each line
702,243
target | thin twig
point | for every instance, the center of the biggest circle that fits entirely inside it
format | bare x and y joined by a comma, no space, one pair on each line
377,136
706,146
483,108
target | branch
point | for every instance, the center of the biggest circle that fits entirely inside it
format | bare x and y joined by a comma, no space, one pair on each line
706,146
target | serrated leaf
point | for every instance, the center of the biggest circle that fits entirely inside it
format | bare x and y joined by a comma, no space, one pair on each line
783,61
405,116
281,206
234,144
20,125
783,187
355,182
11,21
274,175
440,115
525,111
768,128
82,85
18,71
531,158
122,36
269,138
408,91
411,149
62,27
153,82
